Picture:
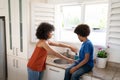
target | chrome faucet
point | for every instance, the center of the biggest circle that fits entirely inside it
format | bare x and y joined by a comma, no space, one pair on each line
67,53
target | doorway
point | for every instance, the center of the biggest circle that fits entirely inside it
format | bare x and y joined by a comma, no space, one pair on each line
3,57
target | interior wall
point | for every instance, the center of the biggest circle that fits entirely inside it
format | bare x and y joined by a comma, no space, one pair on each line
3,7
42,1
72,1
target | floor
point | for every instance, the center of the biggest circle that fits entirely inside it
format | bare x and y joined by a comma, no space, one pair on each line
111,72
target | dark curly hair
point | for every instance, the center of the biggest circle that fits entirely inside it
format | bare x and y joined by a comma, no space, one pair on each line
82,30
43,30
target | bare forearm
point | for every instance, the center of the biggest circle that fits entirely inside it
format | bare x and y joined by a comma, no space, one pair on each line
61,56
59,44
81,63
64,45
84,61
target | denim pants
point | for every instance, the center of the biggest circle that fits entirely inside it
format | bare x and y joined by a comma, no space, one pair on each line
34,75
76,75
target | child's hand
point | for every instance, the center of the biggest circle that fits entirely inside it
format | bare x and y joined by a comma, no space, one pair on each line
71,60
72,70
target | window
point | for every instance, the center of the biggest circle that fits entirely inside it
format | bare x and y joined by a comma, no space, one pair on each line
71,16
96,18
95,15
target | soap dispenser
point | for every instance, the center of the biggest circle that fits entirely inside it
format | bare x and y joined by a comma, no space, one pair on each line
76,56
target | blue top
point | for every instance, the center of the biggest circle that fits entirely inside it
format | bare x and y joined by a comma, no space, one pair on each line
86,48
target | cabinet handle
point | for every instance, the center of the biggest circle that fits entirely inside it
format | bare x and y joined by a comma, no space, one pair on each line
16,63
13,62
54,70
13,50
16,51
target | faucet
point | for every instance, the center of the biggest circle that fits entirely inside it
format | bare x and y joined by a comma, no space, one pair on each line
67,53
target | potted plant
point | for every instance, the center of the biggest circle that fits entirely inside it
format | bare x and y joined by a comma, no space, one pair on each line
102,56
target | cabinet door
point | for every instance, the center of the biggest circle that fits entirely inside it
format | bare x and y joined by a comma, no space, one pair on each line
21,65
11,68
11,25
14,27
17,69
53,73
23,27
18,41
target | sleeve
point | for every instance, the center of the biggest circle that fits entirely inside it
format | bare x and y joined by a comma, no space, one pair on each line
87,49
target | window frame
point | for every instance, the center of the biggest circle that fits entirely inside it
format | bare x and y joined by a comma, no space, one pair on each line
58,29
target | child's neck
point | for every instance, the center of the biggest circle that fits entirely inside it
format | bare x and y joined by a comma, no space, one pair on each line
85,39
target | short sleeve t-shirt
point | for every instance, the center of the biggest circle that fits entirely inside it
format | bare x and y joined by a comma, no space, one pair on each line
87,48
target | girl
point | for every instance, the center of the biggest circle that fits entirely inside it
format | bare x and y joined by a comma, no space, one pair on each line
37,62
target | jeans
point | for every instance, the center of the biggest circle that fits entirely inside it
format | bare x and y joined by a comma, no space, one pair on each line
34,75
76,75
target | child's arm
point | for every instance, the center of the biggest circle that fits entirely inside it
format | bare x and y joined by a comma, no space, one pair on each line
47,47
63,45
85,60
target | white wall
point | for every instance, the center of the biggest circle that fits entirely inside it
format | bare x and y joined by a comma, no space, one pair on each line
114,53
72,1
3,7
42,1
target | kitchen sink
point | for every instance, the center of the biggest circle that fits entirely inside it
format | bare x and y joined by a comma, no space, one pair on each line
61,61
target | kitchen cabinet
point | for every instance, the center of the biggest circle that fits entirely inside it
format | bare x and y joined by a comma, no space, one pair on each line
14,28
17,28
17,69
17,42
53,73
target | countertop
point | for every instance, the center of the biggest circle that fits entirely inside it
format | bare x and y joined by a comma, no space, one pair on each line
50,61
111,72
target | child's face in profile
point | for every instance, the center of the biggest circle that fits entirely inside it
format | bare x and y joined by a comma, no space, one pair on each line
50,34
80,38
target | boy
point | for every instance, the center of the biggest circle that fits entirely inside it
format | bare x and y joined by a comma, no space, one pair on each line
85,62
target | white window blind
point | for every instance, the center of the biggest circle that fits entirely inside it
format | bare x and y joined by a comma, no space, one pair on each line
113,33
114,23
41,12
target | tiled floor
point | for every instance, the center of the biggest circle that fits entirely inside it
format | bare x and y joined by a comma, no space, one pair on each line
111,72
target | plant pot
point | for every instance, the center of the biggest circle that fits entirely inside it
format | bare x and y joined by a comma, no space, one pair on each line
101,62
